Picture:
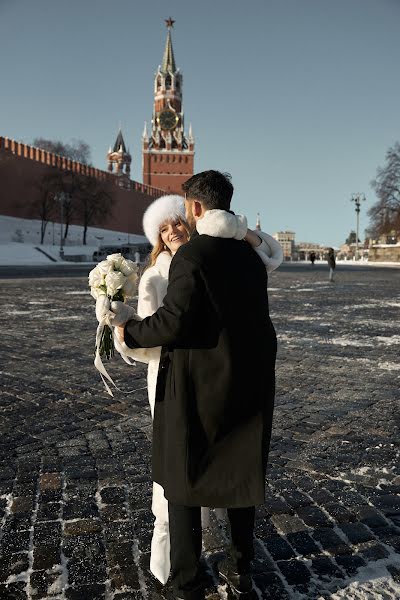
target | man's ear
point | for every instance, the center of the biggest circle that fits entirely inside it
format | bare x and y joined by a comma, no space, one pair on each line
197,208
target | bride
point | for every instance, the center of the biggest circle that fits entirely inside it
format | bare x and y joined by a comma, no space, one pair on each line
165,227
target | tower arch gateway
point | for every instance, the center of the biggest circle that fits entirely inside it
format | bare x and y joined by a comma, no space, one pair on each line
167,151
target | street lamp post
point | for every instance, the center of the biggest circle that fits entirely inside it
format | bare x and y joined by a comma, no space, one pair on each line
61,198
357,199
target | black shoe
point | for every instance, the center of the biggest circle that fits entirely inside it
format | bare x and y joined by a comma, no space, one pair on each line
209,593
241,585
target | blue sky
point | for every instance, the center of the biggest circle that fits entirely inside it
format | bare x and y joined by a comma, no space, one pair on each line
297,99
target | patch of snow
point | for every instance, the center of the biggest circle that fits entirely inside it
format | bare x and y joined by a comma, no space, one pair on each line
361,470
388,366
372,582
389,340
304,318
77,293
342,341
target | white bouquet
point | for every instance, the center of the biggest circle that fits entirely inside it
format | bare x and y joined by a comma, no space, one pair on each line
112,279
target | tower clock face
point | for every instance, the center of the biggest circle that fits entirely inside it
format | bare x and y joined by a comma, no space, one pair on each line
167,119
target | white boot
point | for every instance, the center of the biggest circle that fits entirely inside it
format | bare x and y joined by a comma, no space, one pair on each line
160,562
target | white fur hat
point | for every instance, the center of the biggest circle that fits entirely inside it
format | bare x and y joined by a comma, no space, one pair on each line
161,210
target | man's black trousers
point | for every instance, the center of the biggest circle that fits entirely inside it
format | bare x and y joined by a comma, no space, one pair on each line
186,540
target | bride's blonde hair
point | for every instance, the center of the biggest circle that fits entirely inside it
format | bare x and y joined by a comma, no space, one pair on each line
160,246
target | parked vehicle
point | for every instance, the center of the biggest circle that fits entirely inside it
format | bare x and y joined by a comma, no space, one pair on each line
130,251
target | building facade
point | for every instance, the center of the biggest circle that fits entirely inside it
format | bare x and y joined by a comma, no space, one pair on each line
167,151
287,241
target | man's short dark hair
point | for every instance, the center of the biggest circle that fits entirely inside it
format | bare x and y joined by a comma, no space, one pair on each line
212,188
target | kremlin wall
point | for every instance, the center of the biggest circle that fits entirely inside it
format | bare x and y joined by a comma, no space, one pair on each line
22,167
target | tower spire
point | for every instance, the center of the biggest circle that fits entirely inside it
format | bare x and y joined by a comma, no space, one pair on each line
119,157
167,142
258,223
168,63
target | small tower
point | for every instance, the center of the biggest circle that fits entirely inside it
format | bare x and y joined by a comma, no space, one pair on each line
118,157
258,223
167,150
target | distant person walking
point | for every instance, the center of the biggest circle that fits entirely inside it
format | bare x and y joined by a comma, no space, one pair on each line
312,258
331,263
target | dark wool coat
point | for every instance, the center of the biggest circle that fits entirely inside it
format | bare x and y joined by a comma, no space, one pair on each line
331,260
215,387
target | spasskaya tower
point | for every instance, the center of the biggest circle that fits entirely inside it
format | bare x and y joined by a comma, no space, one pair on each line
168,152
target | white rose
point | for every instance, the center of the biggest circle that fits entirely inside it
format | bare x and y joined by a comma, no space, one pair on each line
95,277
129,288
115,260
96,292
105,266
114,282
128,267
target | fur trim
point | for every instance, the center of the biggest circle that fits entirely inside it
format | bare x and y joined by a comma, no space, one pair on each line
270,251
223,224
161,210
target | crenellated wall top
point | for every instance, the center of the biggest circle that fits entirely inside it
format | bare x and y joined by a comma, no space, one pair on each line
66,164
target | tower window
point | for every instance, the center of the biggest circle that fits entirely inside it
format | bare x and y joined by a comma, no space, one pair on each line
168,82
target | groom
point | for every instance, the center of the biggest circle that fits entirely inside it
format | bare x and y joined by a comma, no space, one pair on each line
215,389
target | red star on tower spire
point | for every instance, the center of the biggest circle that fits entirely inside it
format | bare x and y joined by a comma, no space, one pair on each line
170,22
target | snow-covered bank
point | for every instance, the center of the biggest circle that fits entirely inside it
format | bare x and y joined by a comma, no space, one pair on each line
28,231
20,242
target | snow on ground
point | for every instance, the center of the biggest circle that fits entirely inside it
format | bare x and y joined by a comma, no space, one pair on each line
20,238
372,582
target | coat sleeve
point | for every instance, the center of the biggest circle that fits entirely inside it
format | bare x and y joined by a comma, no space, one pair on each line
270,251
173,324
147,305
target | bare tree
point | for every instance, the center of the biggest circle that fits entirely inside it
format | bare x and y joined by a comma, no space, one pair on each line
385,213
95,202
77,150
71,186
45,207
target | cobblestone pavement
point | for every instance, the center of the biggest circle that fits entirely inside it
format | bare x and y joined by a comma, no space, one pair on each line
75,473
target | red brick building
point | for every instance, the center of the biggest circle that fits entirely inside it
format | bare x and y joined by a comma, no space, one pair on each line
168,153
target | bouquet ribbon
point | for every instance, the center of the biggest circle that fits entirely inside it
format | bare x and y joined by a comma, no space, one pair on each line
98,363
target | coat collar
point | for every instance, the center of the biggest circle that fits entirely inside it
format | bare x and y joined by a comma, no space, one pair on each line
163,263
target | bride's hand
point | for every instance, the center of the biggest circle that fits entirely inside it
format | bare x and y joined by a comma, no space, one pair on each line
119,333
121,313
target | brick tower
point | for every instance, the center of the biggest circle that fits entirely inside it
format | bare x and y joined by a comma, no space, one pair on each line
168,153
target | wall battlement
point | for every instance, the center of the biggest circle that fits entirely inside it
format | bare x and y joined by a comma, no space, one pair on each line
67,164
22,168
